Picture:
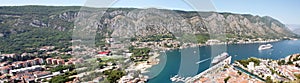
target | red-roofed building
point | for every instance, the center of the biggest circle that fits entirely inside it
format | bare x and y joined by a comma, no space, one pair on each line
5,69
9,55
54,61
41,73
39,60
104,53
19,64
49,60
60,61
31,62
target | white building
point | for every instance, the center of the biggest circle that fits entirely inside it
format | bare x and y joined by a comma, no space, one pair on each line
250,66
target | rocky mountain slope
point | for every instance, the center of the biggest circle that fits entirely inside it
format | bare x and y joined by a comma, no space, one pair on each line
17,21
140,22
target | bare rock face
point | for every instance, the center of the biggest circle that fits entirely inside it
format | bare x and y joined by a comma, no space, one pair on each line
143,22
130,22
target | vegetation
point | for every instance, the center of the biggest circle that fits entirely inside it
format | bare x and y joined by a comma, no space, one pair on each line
226,79
62,78
239,72
139,54
246,62
202,38
269,80
281,62
31,41
155,38
62,67
297,76
114,75
289,62
91,76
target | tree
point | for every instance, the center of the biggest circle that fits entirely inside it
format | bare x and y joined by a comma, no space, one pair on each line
239,72
226,79
269,80
290,62
113,75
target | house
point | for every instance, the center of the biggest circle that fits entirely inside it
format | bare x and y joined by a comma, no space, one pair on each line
60,61
74,61
27,69
3,64
38,74
49,60
9,55
20,64
3,78
39,60
5,69
250,66
104,53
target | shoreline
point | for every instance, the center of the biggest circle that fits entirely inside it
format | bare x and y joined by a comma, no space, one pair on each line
145,70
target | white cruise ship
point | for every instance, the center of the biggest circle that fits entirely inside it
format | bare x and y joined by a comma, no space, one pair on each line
264,47
219,58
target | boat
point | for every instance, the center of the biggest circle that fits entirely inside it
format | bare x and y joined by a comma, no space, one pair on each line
219,58
177,78
202,61
174,78
264,47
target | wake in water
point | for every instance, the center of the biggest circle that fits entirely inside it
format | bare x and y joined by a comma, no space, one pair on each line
202,61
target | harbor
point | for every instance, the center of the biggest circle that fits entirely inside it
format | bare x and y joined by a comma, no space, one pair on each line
172,58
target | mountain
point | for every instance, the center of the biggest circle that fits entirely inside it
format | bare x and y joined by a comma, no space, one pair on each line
294,28
34,26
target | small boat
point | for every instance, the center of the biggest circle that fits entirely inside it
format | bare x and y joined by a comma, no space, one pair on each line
264,47
202,61
174,78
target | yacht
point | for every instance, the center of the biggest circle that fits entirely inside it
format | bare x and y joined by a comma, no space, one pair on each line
264,47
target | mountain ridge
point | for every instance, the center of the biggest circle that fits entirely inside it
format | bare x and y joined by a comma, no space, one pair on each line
19,21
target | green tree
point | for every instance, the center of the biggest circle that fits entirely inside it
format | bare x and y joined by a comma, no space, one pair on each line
113,75
269,80
226,79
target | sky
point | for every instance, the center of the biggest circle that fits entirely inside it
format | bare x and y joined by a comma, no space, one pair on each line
286,11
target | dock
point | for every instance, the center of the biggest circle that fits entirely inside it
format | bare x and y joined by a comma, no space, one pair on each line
210,70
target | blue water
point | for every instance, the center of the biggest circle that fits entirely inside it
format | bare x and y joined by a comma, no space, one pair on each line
184,62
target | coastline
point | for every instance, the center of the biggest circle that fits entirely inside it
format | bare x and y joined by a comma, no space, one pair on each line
156,54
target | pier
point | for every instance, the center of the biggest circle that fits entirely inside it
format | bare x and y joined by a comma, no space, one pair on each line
210,70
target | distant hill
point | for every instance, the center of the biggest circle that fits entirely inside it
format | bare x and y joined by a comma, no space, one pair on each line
294,28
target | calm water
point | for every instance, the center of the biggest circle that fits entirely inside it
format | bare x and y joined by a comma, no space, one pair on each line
184,62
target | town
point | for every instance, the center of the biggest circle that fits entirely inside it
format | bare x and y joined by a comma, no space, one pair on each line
255,70
115,61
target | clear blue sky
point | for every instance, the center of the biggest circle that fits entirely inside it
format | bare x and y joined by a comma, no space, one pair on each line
286,11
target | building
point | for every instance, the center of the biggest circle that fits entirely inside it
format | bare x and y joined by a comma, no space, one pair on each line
74,61
5,69
49,60
250,66
104,53
27,69
55,61
9,55
212,41
39,61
